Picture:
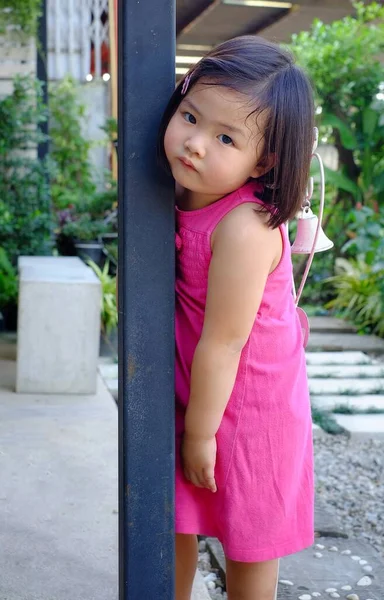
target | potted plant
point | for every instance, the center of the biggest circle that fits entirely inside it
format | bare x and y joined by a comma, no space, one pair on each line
104,205
8,292
80,234
111,251
108,312
84,229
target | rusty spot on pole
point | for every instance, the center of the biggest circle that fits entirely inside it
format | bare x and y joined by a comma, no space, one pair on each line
131,367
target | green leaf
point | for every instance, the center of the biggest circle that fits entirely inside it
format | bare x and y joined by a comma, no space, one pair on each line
342,182
367,167
348,138
370,119
378,182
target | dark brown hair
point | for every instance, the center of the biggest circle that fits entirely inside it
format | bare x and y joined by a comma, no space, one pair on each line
267,74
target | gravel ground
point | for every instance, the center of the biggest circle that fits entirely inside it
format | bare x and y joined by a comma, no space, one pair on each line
350,479
211,576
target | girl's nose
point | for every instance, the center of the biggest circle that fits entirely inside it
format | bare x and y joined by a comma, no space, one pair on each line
195,145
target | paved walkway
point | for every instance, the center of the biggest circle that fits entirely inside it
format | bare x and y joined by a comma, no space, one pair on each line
58,501
346,372
346,375
58,495
335,564
332,568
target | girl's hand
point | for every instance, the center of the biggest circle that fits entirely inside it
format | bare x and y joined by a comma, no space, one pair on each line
199,459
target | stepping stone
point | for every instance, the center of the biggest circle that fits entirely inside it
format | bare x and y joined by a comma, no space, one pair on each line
329,402
345,371
330,325
317,431
338,358
105,360
108,371
326,525
113,386
362,426
312,576
344,386
338,342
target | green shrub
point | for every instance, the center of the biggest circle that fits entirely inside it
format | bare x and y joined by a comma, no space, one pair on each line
82,211
20,14
84,228
25,214
365,228
72,182
8,281
359,294
109,314
343,60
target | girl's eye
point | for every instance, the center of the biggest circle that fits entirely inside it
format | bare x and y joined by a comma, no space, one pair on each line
189,118
225,139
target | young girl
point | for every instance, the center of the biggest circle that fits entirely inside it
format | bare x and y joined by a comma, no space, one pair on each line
237,135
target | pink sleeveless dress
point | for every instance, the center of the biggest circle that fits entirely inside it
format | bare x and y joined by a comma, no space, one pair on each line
264,505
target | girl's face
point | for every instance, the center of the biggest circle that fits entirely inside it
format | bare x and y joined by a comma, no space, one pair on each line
210,145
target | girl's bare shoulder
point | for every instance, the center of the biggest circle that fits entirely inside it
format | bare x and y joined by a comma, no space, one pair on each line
248,218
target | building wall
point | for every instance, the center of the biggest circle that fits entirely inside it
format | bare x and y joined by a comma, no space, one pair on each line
73,29
16,58
96,97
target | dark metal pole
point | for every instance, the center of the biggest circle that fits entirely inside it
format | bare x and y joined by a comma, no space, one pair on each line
146,41
41,72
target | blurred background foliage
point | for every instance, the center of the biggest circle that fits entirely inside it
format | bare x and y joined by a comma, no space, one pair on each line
345,61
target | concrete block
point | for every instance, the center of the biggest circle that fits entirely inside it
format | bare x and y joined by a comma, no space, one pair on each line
364,402
338,358
330,325
339,342
346,387
58,327
345,371
317,431
363,426
52,262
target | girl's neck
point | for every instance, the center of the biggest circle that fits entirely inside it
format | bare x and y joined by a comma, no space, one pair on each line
188,200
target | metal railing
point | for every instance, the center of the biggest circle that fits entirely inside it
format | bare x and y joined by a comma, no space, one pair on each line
77,32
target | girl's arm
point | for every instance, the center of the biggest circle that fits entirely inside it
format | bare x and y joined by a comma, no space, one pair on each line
245,251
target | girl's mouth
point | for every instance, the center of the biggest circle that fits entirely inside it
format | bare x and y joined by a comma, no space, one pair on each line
187,163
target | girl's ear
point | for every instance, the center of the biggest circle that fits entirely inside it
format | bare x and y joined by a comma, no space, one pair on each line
264,166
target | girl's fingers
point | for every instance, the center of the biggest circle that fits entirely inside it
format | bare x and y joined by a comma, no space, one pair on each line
209,480
194,480
211,485
206,479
